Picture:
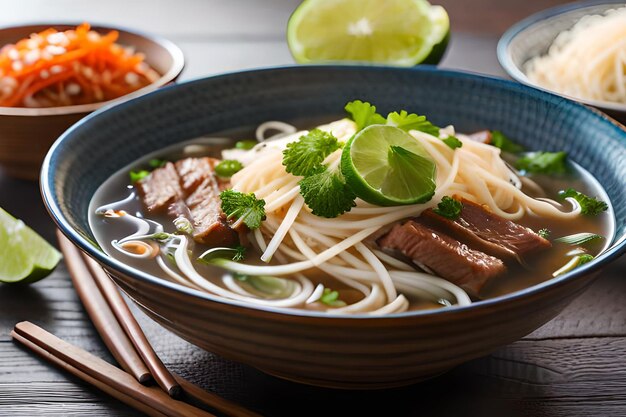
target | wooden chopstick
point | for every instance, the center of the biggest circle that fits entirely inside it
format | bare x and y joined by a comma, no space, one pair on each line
107,374
213,400
112,318
126,319
109,329
129,328
85,377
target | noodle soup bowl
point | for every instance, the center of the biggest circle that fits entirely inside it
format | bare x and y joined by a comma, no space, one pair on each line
27,133
533,36
359,351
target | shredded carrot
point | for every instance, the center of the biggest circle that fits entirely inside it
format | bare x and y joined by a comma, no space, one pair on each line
77,66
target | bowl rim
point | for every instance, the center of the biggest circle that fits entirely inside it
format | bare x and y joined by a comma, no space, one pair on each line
178,63
504,57
617,248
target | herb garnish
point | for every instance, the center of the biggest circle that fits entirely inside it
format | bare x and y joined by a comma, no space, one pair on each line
136,176
183,225
449,208
236,254
324,189
305,156
228,167
331,298
364,114
244,207
584,258
157,163
240,253
573,263
544,233
327,194
543,163
452,142
499,140
588,205
411,121
578,238
245,145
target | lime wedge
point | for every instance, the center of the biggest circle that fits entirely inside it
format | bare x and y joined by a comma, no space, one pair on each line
24,255
386,166
396,32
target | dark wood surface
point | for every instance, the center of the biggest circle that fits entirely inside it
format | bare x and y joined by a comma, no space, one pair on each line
572,366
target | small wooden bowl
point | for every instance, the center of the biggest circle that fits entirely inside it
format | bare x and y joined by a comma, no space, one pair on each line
26,134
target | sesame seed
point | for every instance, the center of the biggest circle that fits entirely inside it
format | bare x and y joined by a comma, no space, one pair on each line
55,69
8,81
88,72
58,38
17,65
32,56
55,50
72,89
13,54
44,74
32,44
131,78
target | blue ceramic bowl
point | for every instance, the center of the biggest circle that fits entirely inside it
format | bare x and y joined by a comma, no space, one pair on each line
359,351
533,36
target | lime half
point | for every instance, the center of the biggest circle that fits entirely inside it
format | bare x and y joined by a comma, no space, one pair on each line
386,166
24,255
396,32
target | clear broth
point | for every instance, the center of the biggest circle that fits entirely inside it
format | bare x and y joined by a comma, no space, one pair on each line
117,188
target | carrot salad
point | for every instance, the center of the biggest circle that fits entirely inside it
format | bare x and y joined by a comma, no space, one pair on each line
76,66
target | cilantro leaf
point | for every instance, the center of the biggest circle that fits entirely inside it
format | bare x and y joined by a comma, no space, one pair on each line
364,114
305,156
453,142
240,253
136,176
327,194
449,208
544,233
331,298
584,258
244,207
499,140
588,205
543,162
411,121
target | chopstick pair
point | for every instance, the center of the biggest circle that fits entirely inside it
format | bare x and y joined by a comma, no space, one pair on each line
153,401
113,320
126,341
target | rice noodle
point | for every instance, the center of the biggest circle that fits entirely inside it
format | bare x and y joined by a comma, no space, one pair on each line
338,246
596,45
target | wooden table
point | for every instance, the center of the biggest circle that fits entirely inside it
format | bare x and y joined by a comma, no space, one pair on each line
572,366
